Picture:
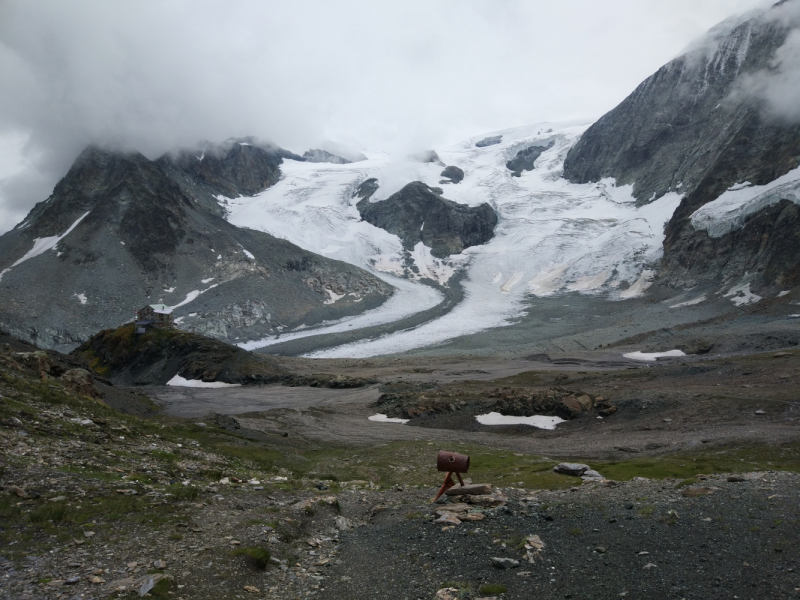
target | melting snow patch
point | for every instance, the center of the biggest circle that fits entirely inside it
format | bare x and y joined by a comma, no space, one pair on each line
741,295
81,297
209,280
193,295
169,290
197,383
42,245
381,418
784,293
652,356
639,287
333,297
509,285
247,254
539,421
690,302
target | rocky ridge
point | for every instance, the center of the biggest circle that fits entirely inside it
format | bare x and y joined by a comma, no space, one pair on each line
121,231
695,128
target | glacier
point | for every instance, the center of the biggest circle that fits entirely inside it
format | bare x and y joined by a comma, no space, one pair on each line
552,236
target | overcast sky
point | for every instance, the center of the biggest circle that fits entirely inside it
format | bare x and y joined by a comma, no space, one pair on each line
374,75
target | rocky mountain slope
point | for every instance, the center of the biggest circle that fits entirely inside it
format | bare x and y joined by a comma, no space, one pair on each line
121,231
697,127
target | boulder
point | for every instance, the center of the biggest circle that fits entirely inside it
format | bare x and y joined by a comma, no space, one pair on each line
475,489
575,469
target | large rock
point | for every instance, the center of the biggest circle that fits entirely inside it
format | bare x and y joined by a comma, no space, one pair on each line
418,214
575,469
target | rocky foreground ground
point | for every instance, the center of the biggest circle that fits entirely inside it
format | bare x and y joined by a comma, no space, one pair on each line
98,503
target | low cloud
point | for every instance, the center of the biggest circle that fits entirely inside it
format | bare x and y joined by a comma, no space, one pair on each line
403,76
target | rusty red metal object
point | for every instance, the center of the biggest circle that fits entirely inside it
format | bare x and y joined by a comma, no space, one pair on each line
452,463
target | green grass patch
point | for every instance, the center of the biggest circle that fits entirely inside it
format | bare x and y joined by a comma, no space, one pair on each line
258,557
493,588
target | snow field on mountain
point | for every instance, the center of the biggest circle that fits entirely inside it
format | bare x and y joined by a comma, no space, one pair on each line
552,236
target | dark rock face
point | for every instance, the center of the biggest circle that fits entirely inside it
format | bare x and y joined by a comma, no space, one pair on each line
366,189
152,232
525,159
319,156
689,128
418,214
682,128
489,141
767,247
453,174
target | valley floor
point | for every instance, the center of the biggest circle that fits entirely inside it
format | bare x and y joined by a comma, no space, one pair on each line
291,492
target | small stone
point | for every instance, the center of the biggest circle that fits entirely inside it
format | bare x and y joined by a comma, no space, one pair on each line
72,580
781,355
88,534
446,594
696,492
600,549
649,566
97,579
159,564
504,563
251,589
475,516
761,412
736,479
343,523
132,564
18,491
643,553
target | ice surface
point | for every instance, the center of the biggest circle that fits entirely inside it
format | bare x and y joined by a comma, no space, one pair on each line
540,421
730,211
552,236
652,356
381,418
42,245
196,383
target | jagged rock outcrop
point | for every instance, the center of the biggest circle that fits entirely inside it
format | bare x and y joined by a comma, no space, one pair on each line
696,127
121,231
489,141
453,174
524,159
418,213
316,155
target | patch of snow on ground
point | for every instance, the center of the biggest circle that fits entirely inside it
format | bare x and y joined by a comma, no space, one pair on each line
197,383
247,253
691,302
730,211
42,245
333,297
209,280
381,418
783,293
741,295
639,287
191,296
539,421
653,356
81,298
